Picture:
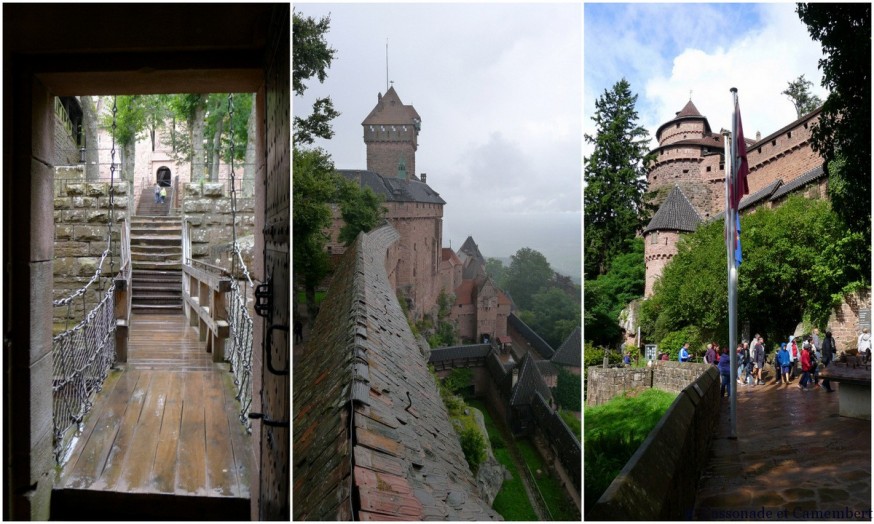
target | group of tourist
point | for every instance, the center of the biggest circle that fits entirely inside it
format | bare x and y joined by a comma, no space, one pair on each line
160,194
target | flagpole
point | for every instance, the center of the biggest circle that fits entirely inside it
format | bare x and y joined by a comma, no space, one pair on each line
732,346
732,265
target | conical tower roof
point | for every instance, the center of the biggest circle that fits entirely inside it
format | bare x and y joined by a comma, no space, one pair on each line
689,112
675,214
390,110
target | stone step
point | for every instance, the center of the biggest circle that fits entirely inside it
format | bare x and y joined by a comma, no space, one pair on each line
154,218
156,240
156,308
155,288
137,265
140,230
148,249
156,257
157,298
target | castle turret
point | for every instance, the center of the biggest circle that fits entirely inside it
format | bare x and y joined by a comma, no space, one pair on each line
675,216
391,132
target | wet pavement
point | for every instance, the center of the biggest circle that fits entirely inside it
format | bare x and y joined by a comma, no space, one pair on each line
794,458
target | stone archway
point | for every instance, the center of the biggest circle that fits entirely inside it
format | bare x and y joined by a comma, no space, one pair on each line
163,177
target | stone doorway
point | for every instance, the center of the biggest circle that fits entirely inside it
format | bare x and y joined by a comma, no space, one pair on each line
163,177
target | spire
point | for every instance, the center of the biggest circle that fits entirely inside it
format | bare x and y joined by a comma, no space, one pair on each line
689,109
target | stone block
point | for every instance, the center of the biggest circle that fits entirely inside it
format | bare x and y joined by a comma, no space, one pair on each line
96,189
40,310
213,189
223,205
71,249
199,250
199,235
194,220
197,206
63,232
100,215
70,172
191,190
89,233
42,217
75,189
82,202
61,203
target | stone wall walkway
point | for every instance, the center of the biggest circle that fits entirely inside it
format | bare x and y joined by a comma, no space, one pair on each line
794,457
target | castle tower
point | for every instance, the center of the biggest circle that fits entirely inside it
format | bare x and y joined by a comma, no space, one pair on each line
689,156
675,216
391,132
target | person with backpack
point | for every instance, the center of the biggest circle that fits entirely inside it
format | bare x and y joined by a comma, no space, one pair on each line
808,344
828,354
782,364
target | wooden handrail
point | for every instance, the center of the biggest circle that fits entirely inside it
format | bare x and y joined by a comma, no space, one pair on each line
203,294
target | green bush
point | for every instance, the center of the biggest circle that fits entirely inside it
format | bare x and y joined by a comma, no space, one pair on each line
474,446
673,341
567,390
458,379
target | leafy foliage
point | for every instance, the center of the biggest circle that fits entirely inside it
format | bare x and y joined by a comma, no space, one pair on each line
673,341
458,379
553,315
312,56
608,294
567,390
496,270
844,127
529,273
615,180
361,209
474,446
799,92
798,260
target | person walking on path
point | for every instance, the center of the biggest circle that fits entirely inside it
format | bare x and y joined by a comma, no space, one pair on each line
684,353
805,368
157,193
828,354
864,344
725,370
792,348
759,360
163,194
782,366
814,337
814,360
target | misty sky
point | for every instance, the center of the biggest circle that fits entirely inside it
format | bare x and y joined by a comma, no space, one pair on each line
499,90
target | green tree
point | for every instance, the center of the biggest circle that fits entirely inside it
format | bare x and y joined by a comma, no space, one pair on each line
312,186
615,180
843,133
553,315
567,390
608,294
130,121
496,270
312,56
529,272
361,209
474,447
799,93
793,269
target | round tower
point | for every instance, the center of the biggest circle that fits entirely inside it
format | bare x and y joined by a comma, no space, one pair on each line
688,156
675,216
391,132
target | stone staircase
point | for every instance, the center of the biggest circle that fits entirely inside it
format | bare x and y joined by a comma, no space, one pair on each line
156,259
147,206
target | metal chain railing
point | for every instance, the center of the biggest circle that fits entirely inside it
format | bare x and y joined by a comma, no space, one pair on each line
83,355
239,319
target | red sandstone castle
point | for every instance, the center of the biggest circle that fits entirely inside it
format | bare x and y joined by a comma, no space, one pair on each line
418,266
687,178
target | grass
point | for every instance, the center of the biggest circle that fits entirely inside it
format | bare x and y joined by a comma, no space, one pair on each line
613,432
512,501
573,423
555,496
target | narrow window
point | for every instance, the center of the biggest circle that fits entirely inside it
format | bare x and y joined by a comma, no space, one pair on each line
789,134
708,169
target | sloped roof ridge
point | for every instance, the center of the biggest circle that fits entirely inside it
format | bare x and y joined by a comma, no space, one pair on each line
676,213
570,351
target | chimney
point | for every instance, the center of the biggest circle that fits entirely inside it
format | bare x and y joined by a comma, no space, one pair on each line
758,136
424,178
515,377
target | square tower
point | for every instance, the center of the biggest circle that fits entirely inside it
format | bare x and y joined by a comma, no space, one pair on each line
391,131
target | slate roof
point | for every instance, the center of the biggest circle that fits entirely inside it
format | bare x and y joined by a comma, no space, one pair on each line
470,248
390,110
530,381
394,189
456,352
570,353
367,416
689,112
531,336
801,181
473,268
675,214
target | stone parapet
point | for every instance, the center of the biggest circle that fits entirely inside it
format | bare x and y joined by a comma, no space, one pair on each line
208,217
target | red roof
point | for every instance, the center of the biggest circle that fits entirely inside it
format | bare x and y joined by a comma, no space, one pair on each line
449,255
464,292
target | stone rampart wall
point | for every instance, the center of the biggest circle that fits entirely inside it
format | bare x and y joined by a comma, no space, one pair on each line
66,150
660,480
207,216
604,384
844,322
81,218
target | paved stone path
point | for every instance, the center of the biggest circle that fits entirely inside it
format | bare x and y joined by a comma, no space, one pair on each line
794,457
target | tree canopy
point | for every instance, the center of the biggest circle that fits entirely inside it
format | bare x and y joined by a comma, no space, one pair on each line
529,272
312,56
607,295
794,269
843,134
799,93
615,179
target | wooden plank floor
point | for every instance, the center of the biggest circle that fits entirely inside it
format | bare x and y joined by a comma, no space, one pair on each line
165,425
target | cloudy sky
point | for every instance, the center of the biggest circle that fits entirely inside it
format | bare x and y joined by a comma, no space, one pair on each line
499,90
667,50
